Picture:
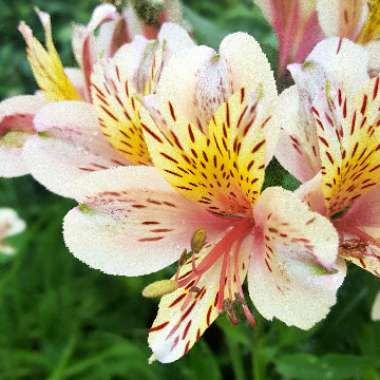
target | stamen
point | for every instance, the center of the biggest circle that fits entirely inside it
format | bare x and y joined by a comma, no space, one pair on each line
159,288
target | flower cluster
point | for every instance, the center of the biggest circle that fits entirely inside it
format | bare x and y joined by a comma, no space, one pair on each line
164,144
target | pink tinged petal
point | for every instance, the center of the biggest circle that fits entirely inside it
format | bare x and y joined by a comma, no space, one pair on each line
375,314
101,14
311,194
133,222
339,61
297,149
185,314
70,145
16,126
77,79
293,275
360,231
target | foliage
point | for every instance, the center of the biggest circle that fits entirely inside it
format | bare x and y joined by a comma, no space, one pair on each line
61,320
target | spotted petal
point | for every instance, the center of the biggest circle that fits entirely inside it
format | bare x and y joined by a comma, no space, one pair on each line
185,314
295,250
349,144
46,63
131,222
69,145
222,169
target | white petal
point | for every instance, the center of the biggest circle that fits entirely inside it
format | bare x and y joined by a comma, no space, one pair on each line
133,223
71,146
286,278
14,224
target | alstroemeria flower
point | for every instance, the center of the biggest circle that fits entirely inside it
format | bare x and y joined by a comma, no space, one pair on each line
76,138
296,25
375,314
132,222
114,30
342,108
10,225
358,20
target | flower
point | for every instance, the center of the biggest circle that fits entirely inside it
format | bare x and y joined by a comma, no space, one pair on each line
358,20
296,25
331,133
62,84
10,224
207,134
75,138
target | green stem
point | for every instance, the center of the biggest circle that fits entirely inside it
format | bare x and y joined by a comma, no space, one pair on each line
259,362
236,360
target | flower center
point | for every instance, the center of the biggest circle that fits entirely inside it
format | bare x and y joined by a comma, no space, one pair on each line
226,253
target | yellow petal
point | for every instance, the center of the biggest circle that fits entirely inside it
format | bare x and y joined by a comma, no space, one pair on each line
349,145
118,111
46,64
221,168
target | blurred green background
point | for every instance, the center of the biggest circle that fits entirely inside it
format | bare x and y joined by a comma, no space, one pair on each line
61,320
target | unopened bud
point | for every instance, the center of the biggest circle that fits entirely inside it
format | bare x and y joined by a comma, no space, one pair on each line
198,240
159,288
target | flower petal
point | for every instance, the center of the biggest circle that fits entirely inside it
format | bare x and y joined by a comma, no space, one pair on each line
118,109
16,126
222,169
349,144
46,64
341,17
361,224
286,277
131,222
69,145
185,314
10,223
297,149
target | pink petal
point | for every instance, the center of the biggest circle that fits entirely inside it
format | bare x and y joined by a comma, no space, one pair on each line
70,145
133,222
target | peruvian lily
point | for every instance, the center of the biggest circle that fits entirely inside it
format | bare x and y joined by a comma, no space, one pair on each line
358,20
10,225
331,130
206,134
58,83
75,137
376,308
296,25
114,29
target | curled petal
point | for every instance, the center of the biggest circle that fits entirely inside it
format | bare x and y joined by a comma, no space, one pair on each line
293,274
69,145
131,222
46,63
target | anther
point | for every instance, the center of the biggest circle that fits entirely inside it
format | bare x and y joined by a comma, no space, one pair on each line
159,288
198,240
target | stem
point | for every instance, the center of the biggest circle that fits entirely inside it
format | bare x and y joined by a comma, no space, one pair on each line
259,361
236,360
